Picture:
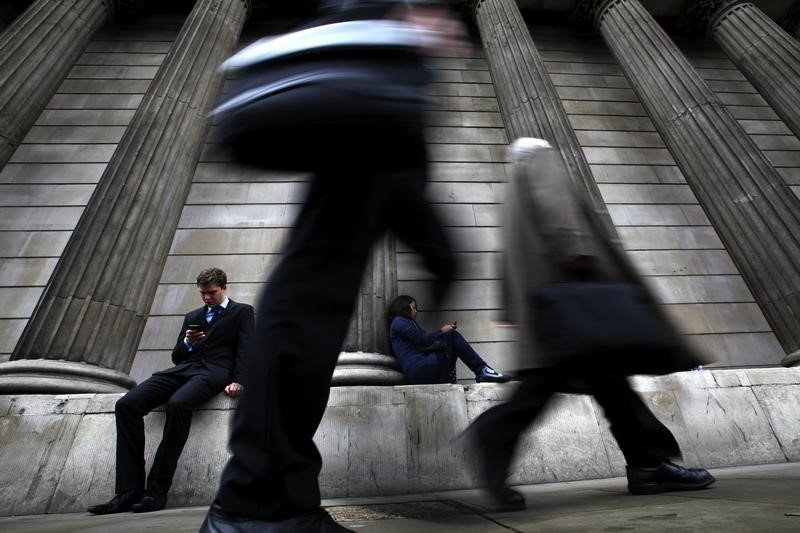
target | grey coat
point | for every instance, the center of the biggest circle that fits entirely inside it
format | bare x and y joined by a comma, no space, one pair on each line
548,223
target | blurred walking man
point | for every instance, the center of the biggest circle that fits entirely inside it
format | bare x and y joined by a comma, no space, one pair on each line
369,177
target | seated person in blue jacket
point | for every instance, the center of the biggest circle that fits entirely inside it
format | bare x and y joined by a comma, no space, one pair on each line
431,357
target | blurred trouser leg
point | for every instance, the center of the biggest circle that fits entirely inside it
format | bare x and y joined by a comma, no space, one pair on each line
303,319
643,439
496,431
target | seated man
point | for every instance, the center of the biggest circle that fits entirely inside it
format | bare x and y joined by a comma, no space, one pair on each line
208,359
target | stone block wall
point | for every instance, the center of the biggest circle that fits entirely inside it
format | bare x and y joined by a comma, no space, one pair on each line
51,177
237,218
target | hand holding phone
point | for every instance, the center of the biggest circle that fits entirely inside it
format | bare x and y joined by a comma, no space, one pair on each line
194,332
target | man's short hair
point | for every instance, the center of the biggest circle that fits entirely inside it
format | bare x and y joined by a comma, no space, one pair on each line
212,276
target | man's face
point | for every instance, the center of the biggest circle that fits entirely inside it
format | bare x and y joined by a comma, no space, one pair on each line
211,294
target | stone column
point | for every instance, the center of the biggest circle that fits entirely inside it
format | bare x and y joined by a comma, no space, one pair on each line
366,357
38,50
763,51
529,103
84,334
750,206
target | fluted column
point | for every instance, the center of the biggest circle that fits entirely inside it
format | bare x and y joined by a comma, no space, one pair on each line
528,100
366,358
36,52
92,313
750,206
763,51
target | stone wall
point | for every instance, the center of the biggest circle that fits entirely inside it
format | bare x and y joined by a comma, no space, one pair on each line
58,451
237,218
51,177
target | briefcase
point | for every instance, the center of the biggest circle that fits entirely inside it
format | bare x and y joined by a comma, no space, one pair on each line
603,325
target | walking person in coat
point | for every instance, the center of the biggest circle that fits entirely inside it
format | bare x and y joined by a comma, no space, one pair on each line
553,235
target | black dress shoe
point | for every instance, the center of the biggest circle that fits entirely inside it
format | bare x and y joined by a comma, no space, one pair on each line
506,499
150,503
120,503
313,521
666,477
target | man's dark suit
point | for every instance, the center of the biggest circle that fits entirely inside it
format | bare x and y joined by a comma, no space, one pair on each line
200,373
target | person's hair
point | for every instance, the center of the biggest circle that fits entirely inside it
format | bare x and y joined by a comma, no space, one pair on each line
212,276
401,306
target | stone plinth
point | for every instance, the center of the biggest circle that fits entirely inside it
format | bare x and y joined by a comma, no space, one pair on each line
58,451
364,368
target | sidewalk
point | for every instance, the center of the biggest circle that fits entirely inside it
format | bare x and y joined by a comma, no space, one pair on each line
754,498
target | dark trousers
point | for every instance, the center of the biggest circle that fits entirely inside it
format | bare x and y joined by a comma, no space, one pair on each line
643,439
181,392
440,365
304,315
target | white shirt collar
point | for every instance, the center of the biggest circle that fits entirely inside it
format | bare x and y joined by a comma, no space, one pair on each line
224,304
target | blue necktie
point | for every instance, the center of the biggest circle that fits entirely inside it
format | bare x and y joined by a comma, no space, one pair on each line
215,311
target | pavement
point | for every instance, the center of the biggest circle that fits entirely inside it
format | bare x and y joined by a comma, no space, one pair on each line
763,498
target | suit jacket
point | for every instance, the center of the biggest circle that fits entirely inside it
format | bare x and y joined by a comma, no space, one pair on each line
223,351
408,344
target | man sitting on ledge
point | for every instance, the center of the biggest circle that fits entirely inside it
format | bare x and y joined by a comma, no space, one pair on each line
208,359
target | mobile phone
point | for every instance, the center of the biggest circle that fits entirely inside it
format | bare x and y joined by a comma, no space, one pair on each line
455,324
195,327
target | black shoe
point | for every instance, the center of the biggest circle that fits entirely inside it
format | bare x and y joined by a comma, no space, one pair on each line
150,503
313,521
666,477
488,374
506,499
120,503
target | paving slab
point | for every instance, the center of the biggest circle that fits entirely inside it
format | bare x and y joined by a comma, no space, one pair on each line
744,499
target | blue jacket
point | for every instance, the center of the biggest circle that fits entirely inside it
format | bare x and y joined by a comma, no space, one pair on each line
407,338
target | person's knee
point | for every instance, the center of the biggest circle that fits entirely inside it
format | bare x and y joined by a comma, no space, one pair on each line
126,405
454,335
178,405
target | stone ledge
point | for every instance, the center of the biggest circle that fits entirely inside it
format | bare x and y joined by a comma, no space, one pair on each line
58,451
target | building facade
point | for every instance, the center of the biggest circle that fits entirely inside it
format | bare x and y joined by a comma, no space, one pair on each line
679,118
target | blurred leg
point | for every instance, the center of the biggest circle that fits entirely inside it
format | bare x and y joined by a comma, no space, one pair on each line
643,439
496,431
303,319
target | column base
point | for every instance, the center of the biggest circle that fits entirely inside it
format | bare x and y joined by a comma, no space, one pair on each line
46,376
792,359
362,368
